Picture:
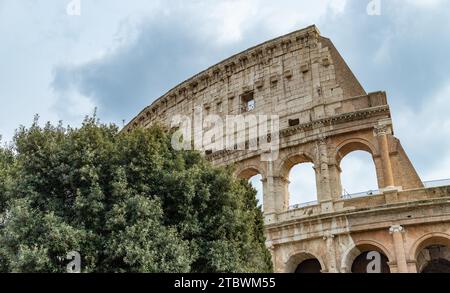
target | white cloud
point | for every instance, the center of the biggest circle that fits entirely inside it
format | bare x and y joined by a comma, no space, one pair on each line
229,20
426,133
423,3
76,106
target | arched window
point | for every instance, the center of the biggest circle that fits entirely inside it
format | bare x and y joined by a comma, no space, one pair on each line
255,178
433,255
303,262
358,175
302,186
436,259
371,262
256,182
311,266
366,258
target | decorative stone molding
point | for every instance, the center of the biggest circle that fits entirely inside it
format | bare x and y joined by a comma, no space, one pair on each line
274,79
328,235
396,229
334,120
288,73
304,68
380,130
259,83
322,140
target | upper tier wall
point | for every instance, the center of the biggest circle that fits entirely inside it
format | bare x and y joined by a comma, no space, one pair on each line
300,75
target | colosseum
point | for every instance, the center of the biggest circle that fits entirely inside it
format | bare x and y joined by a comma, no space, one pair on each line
324,114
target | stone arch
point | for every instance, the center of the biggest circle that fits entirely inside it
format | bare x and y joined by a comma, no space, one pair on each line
429,239
359,144
246,170
299,256
283,170
354,144
292,159
358,248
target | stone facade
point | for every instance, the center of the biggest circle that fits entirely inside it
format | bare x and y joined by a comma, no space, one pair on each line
324,114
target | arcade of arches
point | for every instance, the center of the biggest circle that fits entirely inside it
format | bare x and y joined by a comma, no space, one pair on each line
324,115
339,233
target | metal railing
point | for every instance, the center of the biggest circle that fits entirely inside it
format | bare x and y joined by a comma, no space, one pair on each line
427,184
346,195
436,183
303,205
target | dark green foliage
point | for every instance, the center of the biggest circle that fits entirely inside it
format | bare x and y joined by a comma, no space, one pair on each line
126,202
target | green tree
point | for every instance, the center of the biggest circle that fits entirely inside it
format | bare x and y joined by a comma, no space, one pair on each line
127,202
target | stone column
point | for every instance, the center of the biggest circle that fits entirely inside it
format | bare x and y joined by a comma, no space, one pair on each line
269,195
324,193
335,181
268,204
276,196
381,133
331,253
281,189
397,234
273,254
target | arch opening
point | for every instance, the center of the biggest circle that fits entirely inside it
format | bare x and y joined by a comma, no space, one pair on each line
366,257
304,262
255,178
256,182
302,185
309,266
371,262
433,256
358,174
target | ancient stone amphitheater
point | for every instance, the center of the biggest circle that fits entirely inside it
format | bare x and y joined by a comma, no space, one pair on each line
324,114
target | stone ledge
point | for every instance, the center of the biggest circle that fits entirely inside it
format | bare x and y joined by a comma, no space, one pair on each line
367,209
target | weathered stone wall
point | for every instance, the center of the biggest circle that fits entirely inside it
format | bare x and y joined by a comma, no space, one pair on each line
300,76
324,115
364,224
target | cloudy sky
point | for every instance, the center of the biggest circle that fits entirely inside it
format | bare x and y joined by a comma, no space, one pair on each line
119,56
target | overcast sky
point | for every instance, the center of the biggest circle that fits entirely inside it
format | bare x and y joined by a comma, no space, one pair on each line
119,56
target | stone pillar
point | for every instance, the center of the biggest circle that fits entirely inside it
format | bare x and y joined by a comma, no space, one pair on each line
273,255
269,195
281,189
268,200
331,253
324,194
277,195
335,181
397,234
381,133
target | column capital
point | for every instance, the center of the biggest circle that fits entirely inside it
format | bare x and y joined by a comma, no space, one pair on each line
380,130
322,140
396,229
328,235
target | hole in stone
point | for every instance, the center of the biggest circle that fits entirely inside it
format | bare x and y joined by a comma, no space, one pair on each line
294,122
